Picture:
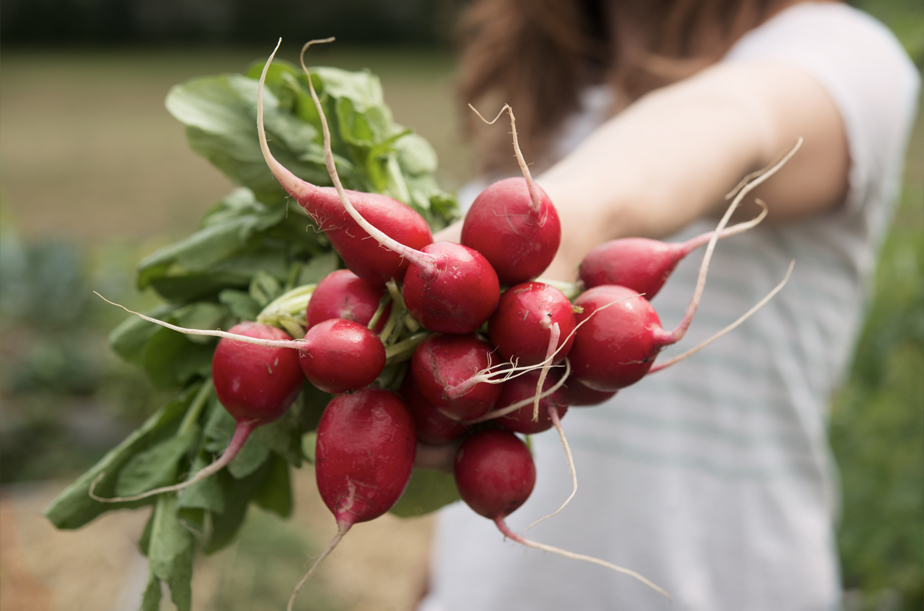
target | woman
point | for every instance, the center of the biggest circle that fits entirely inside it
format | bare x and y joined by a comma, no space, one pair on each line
713,479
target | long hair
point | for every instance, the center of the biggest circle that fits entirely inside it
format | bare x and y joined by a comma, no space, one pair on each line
537,56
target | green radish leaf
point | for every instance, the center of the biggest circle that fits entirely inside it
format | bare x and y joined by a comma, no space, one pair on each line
151,599
251,457
145,539
172,360
74,507
170,553
425,493
276,492
241,304
129,340
318,268
219,429
156,466
207,494
283,436
238,494
264,288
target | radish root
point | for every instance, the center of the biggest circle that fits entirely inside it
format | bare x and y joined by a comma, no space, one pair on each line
342,529
499,521
665,364
272,343
750,183
241,432
556,421
533,194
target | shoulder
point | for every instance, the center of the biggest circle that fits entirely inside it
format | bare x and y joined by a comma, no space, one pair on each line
864,69
847,50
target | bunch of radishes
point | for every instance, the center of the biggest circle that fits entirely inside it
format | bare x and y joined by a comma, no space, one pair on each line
441,343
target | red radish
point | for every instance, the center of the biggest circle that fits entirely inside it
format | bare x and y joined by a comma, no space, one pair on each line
363,256
340,354
448,287
537,413
256,384
443,366
513,223
644,265
365,453
344,356
519,389
343,294
619,334
617,345
495,474
520,327
433,427
581,395
456,294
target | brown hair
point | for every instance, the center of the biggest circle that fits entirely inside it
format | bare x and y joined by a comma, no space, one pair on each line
537,55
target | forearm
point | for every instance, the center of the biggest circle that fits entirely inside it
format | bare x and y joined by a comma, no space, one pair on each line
670,157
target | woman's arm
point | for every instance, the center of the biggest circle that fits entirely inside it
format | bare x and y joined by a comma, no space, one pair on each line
670,157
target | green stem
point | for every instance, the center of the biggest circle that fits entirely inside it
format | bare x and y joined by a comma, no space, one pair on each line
570,289
383,303
195,408
290,302
404,349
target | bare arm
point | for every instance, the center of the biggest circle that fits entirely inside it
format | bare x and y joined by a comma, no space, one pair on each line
670,157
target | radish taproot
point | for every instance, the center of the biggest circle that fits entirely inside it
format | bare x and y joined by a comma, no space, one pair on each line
361,255
448,288
365,453
642,264
255,384
513,223
495,474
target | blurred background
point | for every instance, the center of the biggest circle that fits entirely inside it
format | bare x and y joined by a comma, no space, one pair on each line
95,174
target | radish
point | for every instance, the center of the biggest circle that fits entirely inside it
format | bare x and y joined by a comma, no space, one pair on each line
443,367
518,389
581,395
495,474
537,412
343,294
339,354
619,334
520,328
256,384
433,427
363,256
365,453
513,222
448,288
343,356
644,265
